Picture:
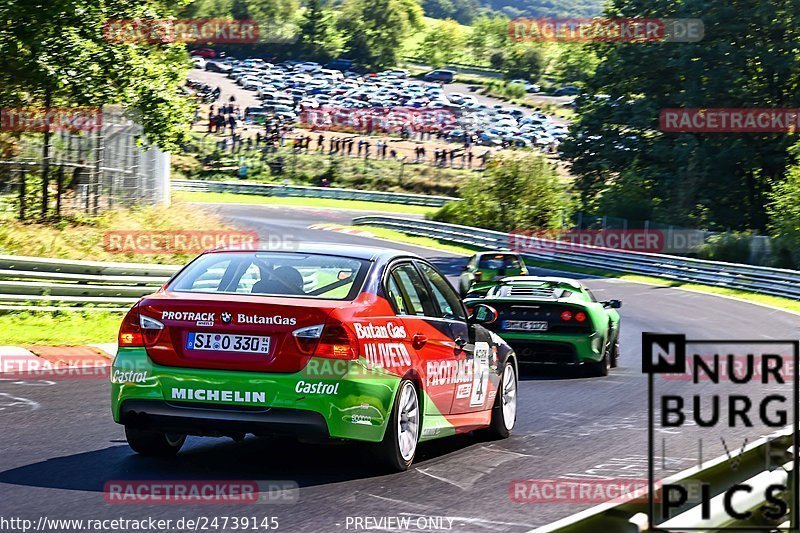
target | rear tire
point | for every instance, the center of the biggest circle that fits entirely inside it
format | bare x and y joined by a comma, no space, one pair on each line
504,410
399,444
600,369
615,353
154,443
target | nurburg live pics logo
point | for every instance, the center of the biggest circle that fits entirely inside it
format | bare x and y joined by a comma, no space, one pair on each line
736,392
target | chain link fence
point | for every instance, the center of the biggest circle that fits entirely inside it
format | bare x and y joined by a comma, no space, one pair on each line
85,171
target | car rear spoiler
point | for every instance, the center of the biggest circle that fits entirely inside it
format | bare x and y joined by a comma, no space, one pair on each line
479,289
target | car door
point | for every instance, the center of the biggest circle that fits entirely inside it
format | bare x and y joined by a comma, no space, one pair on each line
474,379
472,389
431,339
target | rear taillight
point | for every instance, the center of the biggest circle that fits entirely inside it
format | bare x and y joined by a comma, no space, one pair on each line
331,340
580,316
130,333
138,330
151,329
307,338
566,315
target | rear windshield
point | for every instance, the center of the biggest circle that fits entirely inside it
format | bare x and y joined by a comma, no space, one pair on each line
498,261
274,273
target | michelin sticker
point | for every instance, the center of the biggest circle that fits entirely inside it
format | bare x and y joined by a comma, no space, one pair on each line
480,375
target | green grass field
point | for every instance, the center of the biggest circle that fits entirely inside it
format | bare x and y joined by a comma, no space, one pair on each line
57,328
224,197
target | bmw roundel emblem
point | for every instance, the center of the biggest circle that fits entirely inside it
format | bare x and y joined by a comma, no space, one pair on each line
226,318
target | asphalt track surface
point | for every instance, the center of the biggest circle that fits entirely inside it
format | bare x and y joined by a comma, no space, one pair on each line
60,446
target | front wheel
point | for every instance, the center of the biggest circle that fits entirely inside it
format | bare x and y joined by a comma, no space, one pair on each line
154,443
504,411
399,445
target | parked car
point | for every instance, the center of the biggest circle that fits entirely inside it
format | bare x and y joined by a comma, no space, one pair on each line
218,66
445,76
567,90
529,87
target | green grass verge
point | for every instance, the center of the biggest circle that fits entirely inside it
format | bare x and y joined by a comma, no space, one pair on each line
764,299
224,197
59,327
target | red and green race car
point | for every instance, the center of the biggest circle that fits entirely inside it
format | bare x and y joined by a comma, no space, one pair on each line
323,343
551,320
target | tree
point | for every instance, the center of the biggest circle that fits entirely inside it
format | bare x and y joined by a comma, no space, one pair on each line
523,61
442,44
575,63
783,210
711,180
376,29
318,37
489,36
61,57
518,192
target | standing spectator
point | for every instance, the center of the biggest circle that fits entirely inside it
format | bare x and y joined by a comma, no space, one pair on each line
320,142
232,123
211,121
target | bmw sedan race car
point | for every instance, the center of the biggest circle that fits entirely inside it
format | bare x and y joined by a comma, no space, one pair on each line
553,321
361,343
490,266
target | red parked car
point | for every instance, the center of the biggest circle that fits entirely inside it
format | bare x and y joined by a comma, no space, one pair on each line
207,53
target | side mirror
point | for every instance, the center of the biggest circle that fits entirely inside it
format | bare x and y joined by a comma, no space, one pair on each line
613,304
483,314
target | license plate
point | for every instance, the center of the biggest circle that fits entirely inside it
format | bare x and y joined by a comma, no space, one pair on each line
525,325
226,342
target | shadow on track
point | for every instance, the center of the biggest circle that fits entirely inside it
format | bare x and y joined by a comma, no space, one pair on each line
222,459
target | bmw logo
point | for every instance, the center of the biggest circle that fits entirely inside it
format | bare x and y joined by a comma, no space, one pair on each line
226,318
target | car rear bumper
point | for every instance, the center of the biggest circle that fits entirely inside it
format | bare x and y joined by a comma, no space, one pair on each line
219,420
555,349
351,402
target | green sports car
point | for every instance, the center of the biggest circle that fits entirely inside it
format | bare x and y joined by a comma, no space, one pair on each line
490,266
548,320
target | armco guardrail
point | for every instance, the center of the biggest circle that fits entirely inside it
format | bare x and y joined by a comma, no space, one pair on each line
29,283
271,189
764,462
772,281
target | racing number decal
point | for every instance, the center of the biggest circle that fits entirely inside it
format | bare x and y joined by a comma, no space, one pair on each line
480,375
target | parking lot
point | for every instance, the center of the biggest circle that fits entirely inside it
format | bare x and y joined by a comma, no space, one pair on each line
397,114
